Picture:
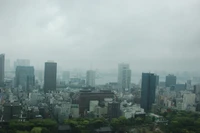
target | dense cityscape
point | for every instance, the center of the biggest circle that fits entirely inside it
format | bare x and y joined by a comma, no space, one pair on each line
99,66
61,103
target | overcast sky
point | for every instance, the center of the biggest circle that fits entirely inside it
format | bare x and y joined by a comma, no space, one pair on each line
147,34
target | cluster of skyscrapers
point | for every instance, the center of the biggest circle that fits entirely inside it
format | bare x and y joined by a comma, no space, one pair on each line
25,78
25,75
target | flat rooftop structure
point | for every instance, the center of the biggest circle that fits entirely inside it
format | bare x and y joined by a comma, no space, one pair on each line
84,98
154,115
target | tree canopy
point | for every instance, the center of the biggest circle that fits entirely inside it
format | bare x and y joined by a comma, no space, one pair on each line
182,122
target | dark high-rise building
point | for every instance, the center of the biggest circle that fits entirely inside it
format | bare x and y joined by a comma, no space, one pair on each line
11,111
157,80
148,91
114,110
2,63
24,77
170,80
50,73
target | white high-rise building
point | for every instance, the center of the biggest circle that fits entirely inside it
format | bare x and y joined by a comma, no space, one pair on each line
90,78
124,76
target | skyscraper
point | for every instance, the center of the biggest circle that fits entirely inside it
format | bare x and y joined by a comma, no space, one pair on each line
157,80
2,63
124,76
148,91
24,76
90,78
50,74
170,80
126,79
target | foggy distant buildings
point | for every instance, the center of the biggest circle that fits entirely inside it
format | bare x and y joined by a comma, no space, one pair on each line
148,91
170,80
66,76
21,62
39,74
124,77
7,65
50,74
90,78
2,63
24,77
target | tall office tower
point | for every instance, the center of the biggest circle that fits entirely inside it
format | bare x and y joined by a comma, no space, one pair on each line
90,78
157,80
2,62
25,77
50,74
66,76
126,80
21,62
170,80
124,76
148,91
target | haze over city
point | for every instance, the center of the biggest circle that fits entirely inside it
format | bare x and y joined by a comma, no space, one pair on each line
149,35
99,66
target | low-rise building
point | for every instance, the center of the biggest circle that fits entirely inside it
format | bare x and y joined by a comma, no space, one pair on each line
74,110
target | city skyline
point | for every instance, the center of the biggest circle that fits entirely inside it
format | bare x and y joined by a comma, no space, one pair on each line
103,76
99,66
11,66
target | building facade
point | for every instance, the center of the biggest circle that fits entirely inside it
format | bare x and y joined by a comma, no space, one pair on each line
157,80
84,98
90,78
11,111
50,74
148,91
170,80
114,110
24,77
2,69
124,77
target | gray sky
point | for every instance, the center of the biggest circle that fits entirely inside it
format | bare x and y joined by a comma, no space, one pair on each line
147,34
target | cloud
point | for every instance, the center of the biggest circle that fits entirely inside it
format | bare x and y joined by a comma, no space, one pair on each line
149,35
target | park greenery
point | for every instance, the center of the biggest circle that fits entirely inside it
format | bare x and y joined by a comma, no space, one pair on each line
87,125
182,122
78,125
31,126
178,122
